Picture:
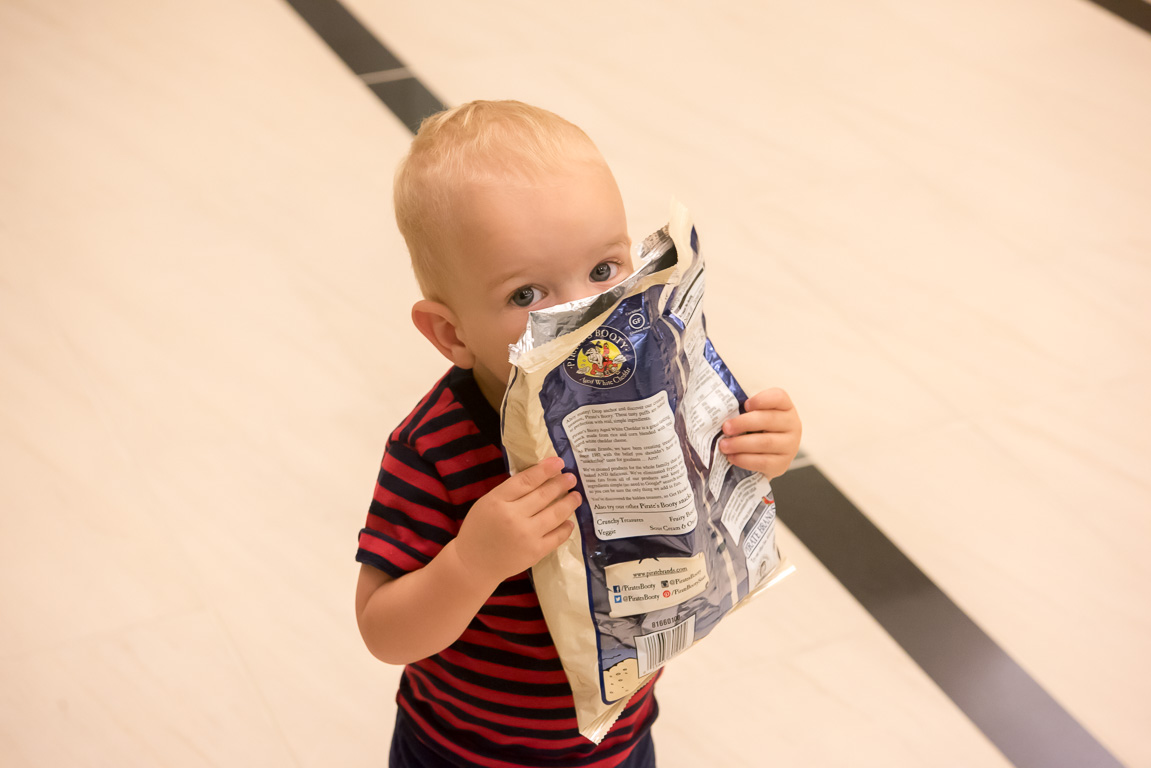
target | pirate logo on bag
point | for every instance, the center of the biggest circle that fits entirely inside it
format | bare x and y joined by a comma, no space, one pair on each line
603,361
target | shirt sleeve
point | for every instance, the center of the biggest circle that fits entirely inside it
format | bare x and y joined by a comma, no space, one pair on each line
410,518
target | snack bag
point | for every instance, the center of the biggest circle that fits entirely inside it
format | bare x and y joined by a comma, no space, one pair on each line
628,390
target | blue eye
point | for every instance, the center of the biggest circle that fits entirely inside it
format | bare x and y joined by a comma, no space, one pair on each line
525,297
603,272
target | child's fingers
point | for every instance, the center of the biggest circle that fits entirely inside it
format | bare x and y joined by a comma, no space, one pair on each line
769,399
524,483
553,515
759,421
757,443
553,488
558,535
554,521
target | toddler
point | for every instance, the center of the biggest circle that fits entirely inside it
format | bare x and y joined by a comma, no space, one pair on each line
505,208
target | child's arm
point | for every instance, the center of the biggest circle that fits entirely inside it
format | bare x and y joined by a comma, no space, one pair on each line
505,532
766,437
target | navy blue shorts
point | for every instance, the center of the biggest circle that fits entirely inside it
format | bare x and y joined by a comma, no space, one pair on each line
409,752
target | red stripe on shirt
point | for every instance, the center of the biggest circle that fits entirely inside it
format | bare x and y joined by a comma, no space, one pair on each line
450,682
395,556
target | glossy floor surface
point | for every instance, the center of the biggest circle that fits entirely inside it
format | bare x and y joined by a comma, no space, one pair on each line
930,222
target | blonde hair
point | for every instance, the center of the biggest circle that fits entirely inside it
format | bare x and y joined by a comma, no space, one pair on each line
475,143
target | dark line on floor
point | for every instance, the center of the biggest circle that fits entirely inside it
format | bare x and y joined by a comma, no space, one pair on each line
408,98
1135,12
1020,718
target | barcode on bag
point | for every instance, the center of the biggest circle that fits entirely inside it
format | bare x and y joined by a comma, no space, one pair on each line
658,648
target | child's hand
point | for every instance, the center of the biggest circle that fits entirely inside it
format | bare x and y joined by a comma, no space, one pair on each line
516,523
765,438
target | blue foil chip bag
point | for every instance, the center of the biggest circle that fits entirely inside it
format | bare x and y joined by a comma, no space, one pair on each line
629,391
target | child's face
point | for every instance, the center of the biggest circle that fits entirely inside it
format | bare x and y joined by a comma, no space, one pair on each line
522,248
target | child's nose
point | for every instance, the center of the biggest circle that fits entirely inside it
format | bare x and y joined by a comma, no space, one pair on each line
575,290
572,293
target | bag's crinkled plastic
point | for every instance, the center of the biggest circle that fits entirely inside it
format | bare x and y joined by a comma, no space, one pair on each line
628,390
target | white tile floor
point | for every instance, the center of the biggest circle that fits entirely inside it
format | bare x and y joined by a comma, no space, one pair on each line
930,222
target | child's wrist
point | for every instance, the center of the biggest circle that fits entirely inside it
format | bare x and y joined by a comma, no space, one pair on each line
465,575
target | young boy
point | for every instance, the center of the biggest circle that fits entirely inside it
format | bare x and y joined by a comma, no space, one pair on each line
505,208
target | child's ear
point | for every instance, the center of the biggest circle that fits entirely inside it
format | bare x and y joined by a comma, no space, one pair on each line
439,325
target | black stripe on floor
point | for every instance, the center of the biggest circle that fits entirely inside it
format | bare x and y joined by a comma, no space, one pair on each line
1136,12
368,58
1012,710
1029,727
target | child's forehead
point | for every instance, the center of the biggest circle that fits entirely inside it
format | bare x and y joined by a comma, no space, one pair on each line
512,173
506,228
489,201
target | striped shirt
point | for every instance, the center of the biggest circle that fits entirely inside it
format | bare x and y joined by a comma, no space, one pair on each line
498,696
